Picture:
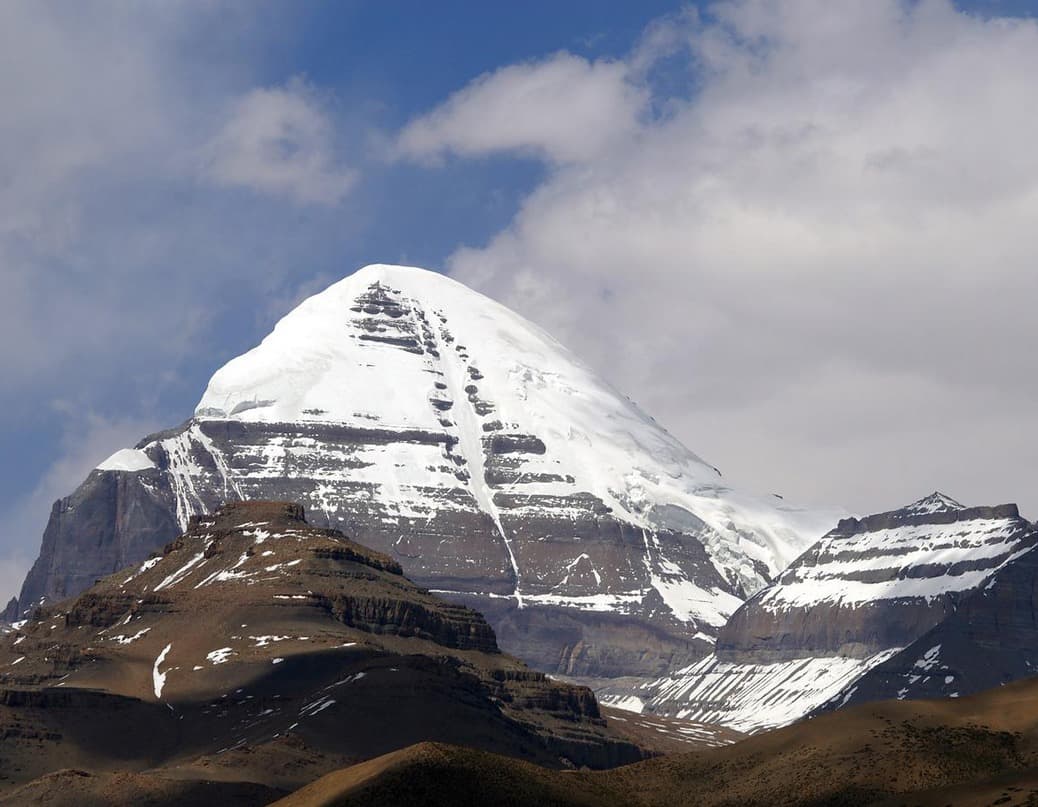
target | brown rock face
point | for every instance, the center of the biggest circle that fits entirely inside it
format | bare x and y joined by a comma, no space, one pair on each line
255,626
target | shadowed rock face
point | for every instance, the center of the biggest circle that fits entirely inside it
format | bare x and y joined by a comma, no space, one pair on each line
255,627
446,432
112,520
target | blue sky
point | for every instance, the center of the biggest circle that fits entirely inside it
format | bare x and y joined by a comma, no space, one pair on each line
176,178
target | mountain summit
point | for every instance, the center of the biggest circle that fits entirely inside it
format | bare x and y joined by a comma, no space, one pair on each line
434,424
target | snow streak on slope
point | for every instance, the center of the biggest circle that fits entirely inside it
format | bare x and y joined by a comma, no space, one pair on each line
471,445
755,697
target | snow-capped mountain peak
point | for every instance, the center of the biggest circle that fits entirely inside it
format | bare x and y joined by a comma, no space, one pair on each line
437,426
404,348
936,502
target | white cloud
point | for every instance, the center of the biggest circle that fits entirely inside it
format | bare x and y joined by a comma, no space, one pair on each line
279,140
818,267
563,108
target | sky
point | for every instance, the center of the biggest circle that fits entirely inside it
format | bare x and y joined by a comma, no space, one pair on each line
801,234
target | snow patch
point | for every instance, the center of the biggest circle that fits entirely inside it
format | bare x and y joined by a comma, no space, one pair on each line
127,459
159,678
126,639
629,703
181,573
221,656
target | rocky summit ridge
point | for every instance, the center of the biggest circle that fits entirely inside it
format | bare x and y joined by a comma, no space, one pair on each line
459,439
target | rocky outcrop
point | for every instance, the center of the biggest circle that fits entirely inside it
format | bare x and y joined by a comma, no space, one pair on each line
462,442
876,583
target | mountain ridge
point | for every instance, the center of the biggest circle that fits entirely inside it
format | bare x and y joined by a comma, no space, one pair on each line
879,593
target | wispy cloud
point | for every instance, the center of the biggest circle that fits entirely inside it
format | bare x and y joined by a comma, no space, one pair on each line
279,140
564,108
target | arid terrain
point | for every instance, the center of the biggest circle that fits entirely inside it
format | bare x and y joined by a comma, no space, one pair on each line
981,750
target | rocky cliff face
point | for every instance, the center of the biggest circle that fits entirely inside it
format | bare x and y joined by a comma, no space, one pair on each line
445,431
254,629
112,520
853,602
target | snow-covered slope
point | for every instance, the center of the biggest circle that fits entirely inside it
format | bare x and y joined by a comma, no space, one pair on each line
754,697
850,604
434,424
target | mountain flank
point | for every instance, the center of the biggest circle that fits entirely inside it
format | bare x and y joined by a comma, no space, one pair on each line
934,599
259,651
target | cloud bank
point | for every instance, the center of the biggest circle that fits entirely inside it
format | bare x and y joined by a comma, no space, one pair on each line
564,109
802,235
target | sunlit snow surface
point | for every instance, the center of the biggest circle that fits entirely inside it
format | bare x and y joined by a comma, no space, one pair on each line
159,678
